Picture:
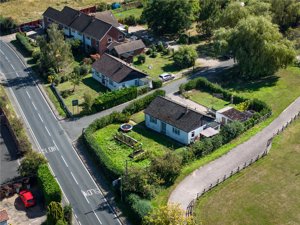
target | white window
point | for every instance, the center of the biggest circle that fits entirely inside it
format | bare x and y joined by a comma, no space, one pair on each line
193,134
153,120
176,131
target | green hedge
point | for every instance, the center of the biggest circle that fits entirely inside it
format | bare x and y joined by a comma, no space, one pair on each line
48,185
25,42
115,117
113,98
157,84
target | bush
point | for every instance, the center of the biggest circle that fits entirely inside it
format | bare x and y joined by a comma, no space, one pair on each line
207,146
84,70
66,93
140,207
101,6
157,84
231,130
217,141
149,51
160,46
166,51
153,55
54,213
130,20
68,214
185,57
7,24
75,44
142,90
24,41
36,54
113,98
183,39
30,164
48,185
141,59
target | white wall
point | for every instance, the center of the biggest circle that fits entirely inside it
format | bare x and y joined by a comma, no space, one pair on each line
219,117
197,133
67,31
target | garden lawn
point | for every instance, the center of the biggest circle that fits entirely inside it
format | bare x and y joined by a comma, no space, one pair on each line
87,85
207,100
137,12
278,95
28,10
156,66
118,153
267,193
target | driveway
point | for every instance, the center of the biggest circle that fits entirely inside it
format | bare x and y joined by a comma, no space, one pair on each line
209,174
8,157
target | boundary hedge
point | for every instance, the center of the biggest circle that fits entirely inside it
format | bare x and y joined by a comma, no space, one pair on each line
48,184
25,42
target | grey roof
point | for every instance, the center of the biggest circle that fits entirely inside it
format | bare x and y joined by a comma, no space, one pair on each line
129,47
51,13
81,22
116,69
107,17
64,17
176,115
97,29
235,114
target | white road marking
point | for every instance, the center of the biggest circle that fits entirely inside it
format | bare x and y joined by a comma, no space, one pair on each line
47,131
49,149
97,217
17,75
12,66
28,94
34,106
64,160
55,144
1,52
85,196
74,178
40,118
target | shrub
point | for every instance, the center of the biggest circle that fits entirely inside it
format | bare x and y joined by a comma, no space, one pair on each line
87,61
68,214
207,146
75,44
142,90
66,93
24,41
187,156
231,130
140,207
130,20
48,185
217,141
101,6
141,59
31,162
113,98
149,51
166,51
7,24
54,213
157,84
160,46
84,70
36,54
183,39
153,54
185,57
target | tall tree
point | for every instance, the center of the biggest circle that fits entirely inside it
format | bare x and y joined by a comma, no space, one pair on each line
56,52
75,79
286,13
185,57
169,16
258,47
168,215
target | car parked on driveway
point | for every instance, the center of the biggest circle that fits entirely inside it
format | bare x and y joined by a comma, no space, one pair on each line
27,198
166,77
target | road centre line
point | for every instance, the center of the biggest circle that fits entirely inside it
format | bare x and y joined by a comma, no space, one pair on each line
74,178
64,160
40,118
47,131
28,94
34,106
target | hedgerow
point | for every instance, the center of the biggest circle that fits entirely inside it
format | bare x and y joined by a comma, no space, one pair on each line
48,185
25,42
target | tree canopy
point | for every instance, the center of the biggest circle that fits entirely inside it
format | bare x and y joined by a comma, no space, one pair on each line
185,57
170,16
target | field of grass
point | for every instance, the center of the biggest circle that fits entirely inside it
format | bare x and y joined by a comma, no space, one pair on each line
279,95
27,10
118,153
207,100
87,85
266,193
156,66
137,12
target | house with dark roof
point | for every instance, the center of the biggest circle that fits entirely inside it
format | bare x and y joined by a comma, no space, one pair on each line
229,114
175,120
115,74
93,32
128,50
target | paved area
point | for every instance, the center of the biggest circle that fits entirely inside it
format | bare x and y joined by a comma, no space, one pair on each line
19,215
189,103
8,157
201,178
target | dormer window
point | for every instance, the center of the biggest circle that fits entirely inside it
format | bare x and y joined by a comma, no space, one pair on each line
109,40
120,37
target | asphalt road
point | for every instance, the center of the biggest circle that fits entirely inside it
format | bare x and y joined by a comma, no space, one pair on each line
200,179
90,206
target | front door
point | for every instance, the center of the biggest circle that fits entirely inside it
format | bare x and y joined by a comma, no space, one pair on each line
163,127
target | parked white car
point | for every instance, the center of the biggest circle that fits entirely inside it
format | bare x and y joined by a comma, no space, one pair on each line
166,76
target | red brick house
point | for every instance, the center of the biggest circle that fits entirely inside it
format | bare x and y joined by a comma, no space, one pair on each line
93,32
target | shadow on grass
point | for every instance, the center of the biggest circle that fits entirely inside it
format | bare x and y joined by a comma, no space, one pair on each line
93,84
207,50
170,67
141,129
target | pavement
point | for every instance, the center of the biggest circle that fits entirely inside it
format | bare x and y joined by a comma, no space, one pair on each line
8,155
77,184
202,178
